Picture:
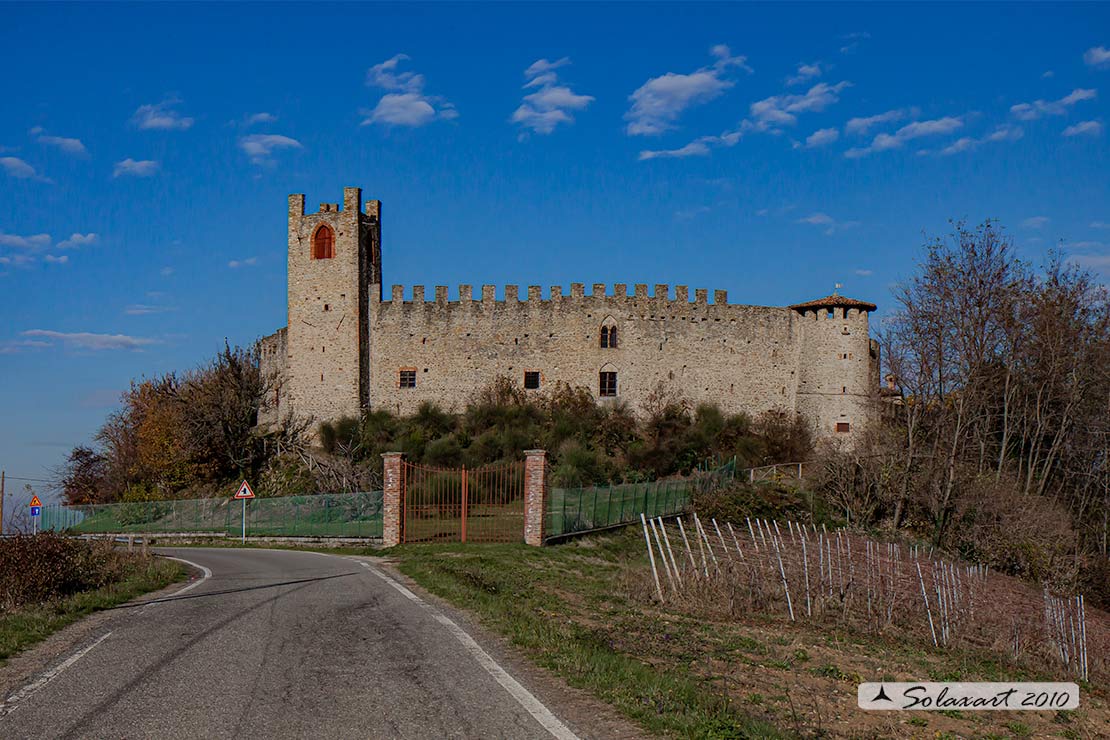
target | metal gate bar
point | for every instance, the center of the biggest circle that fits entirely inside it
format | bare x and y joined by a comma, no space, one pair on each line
459,505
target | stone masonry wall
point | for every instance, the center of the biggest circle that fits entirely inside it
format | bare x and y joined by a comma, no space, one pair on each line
328,298
837,371
272,351
743,358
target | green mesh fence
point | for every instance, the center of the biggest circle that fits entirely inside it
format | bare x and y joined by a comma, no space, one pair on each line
576,510
318,515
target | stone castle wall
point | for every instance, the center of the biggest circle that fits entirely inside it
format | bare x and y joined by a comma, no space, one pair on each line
345,346
740,357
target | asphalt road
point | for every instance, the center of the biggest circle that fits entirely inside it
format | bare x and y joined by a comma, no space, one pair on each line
279,644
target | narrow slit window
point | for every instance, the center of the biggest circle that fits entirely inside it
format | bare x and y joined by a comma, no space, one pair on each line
407,379
531,380
607,382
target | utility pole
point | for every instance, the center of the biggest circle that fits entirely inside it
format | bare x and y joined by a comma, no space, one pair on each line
2,502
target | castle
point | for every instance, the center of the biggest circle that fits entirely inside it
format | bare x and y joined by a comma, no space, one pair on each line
347,347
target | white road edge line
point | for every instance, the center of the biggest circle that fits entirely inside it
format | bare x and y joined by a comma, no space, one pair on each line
12,702
531,704
194,584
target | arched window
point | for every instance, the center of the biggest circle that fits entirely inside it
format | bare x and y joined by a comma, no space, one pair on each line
608,337
323,243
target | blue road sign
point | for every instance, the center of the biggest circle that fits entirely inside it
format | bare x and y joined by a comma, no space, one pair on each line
36,511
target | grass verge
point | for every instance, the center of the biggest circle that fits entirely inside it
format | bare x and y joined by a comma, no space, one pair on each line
20,628
583,610
570,630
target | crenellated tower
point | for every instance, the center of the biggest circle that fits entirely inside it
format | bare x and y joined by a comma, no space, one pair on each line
837,366
334,261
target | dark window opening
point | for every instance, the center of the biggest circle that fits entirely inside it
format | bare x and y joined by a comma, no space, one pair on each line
327,307
407,379
531,380
608,337
842,426
323,243
607,384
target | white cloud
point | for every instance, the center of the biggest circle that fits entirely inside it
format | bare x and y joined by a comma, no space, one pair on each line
699,147
1100,225
161,116
821,137
56,260
1097,56
78,240
1084,128
552,103
658,103
853,40
767,115
259,118
865,273
34,243
89,340
406,104
915,130
15,347
1035,222
67,145
830,224
1097,262
776,111
805,73
248,262
1039,108
1048,74
144,309
135,168
864,125
260,147
967,143
17,168
688,213
166,271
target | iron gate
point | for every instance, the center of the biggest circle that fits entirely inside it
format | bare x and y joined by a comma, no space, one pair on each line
459,505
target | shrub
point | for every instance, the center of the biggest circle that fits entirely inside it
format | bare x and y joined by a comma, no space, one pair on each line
40,568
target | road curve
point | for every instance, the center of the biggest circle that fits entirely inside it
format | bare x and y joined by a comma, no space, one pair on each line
278,644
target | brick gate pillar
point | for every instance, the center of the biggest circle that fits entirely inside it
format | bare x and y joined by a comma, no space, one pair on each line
391,498
535,496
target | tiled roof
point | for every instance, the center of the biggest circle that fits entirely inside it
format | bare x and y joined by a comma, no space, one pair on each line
835,301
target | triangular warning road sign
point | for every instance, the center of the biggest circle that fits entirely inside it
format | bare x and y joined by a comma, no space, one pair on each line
244,491
35,501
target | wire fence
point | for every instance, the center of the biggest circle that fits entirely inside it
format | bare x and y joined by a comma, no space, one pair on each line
319,515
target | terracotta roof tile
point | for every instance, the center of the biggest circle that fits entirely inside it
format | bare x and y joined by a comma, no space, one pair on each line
835,301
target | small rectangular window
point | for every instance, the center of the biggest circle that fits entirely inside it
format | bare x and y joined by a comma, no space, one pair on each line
842,426
531,380
608,384
407,379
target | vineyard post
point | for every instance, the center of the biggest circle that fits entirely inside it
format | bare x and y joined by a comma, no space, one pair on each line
662,555
651,556
689,552
674,563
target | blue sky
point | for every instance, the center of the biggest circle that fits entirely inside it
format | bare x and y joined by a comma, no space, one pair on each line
146,153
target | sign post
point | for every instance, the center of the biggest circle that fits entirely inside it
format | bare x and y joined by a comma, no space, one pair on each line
36,512
243,494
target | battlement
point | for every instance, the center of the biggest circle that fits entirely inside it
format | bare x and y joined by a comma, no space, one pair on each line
511,294
352,201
